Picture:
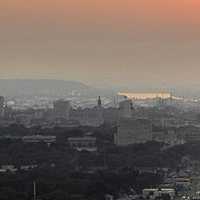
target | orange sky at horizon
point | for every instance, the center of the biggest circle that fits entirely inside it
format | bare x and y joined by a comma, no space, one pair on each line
66,39
113,11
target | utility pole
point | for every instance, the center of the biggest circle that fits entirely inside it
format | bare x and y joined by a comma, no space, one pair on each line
34,190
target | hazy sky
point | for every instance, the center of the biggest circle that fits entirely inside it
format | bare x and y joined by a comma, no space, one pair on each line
101,42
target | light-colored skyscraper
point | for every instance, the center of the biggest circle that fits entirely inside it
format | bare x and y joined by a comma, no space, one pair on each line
129,129
125,109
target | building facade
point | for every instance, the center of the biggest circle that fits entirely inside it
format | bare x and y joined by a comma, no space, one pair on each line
61,109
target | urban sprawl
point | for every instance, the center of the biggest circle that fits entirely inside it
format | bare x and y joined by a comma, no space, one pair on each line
142,146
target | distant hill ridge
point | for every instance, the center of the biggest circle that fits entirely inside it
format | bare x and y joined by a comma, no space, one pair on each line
58,88
47,87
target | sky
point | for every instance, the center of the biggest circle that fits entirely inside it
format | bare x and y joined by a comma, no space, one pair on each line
101,42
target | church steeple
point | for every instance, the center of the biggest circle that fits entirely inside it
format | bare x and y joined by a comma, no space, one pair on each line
99,101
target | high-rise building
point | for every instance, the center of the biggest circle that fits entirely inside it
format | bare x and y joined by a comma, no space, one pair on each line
61,109
125,109
129,129
2,101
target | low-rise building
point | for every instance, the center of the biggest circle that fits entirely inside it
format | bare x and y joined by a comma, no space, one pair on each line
39,138
83,143
156,193
132,131
28,167
8,168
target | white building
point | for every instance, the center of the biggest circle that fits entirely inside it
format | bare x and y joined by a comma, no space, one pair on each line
125,109
83,143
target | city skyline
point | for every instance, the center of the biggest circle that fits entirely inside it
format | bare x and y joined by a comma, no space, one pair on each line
101,43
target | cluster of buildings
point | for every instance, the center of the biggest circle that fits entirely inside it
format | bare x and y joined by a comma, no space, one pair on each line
84,143
135,124
62,114
164,123
132,129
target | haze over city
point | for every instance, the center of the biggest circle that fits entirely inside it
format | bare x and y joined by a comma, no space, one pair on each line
101,43
99,100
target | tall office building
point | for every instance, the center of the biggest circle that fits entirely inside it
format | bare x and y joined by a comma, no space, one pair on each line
61,109
125,109
2,101
129,129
